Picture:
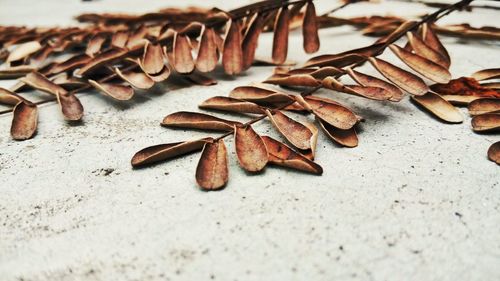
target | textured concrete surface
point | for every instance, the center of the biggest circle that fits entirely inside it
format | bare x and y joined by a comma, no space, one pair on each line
417,200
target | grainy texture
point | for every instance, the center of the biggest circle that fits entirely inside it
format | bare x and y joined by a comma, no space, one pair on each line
415,198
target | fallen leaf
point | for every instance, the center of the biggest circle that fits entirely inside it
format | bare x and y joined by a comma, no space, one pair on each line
24,121
232,105
152,58
280,40
9,98
439,107
212,172
138,80
195,120
494,152
116,91
486,74
208,55
95,44
421,49
298,80
402,78
431,40
296,133
484,105
310,29
488,122
101,59
259,95
23,50
346,138
366,80
330,112
232,55
183,60
375,93
250,149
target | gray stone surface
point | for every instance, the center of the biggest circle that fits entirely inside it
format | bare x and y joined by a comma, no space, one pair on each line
417,200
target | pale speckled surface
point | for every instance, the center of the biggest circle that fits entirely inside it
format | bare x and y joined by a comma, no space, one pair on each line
417,200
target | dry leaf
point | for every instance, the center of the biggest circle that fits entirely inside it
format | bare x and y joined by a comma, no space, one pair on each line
494,152
232,105
346,138
70,64
397,33
24,121
311,153
250,149
183,60
366,80
375,93
486,74
162,152
152,59
491,85
95,44
427,52
208,55
116,91
330,112
459,99
136,79
251,38
317,73
298,80
232,55
346,58
484,105
15,71
23,50
439,107
282,155
7,97
296,133
402,78
100,59
431,40
488,122
212,172
310,29
119,39
195,120
280,40
259,95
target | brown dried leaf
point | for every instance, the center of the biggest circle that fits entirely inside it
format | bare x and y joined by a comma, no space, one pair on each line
40,82
397,33
346,58
494,152
182,58
318,73
152,59
100,59
492,85
95,44
367,80
259,95
232,55
298,80
310,29
162,152
488,122
402,78
482,106
427,52
375,93
250,149
70,64
311,153
486,74
116,91
296,133
251,38
7,97
329,111
438,106
24,121
346,138
212,172
15,71
232,105
23,50
459,99
136,79
427,68
119,39
201,79
195,120
431,40
282,155
280,40
208,56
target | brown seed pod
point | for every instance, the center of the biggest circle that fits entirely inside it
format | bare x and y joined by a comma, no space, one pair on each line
250,149
212,172
208,56
402,78
346,138
232,105
195,120
24,121
367,80
280,40
427,68
116,91
296,133
482,106
489,122
138,80
438,106
486,74
163,152
310,29
375,93
494,152
427,52
232,55
282,155
182,59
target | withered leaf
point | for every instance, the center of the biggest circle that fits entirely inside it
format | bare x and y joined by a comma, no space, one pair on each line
431,40
310,29
71,63
136,79
116,91
152,58
23,50
460,99
100,59
232,55
251,38
397,33
339,60
250,149
40,82
494,152
297,80
427,52
208,55
212,172
259,95
95,44
296,133
439,107
331,112
162,152
488,122
402,78
24,121
484,105
183,59
280,40
119,39
427,68
375,93
232,105
367,80
7,97
486,74
201,79
311,153
317,73
15,71
346,138
195,120
282,155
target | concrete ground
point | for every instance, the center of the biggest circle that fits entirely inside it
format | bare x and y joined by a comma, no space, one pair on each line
416,200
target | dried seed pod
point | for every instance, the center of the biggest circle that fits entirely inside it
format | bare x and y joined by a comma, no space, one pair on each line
232,105
427,68
331,112
280,40
494,152
212,172
431,40
486,74
152,58
375,93
182,58
298,80
162,152
251,38
282,155
232,55
310,29
136,79
116,91
402,78
208,55
24,121
489,122
259,95
346,138
195,120
250,149
438,106
367,80
427,52
482,106
23,50
295,132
